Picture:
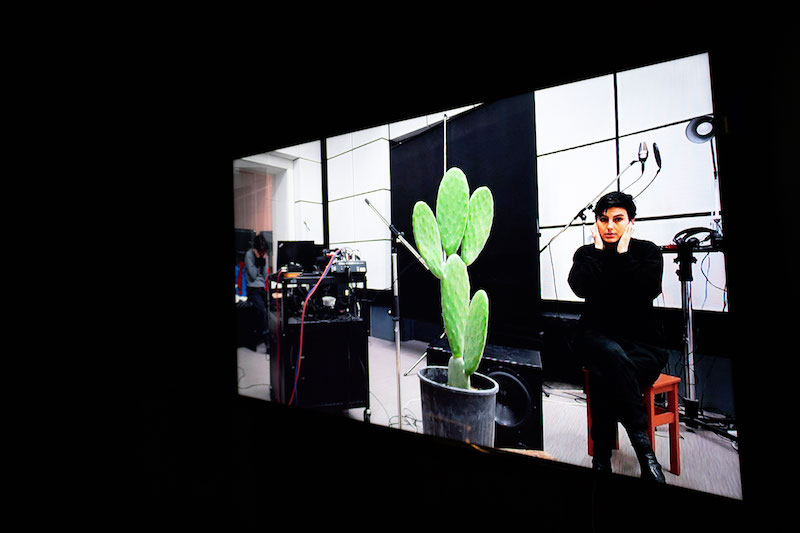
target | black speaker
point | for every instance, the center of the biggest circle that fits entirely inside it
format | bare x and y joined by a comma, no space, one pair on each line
333,371
243,241
518,372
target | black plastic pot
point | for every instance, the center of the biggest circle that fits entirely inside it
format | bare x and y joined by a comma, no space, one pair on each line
459,414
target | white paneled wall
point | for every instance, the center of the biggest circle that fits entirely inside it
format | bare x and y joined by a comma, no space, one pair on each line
577,156
307,190
297,192
359,168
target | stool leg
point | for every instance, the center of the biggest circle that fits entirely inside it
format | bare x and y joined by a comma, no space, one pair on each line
674,436
649,405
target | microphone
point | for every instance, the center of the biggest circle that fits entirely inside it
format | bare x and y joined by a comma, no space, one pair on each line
657,155
642,154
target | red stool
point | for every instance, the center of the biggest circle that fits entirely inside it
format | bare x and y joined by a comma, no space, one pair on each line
656,416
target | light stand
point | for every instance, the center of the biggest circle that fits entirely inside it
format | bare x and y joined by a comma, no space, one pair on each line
699,130
685,260
685,248
397,236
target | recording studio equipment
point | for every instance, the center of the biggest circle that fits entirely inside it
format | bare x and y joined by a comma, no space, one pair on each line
700,129
335,295
643,154
246,324
301,256
518,372
354,267
397,237
317,336
333,370
243,241
685,243
657,155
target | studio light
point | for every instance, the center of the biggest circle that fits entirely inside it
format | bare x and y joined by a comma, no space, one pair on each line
700,129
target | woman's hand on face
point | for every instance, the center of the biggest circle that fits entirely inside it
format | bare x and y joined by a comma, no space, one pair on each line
598,241
625,240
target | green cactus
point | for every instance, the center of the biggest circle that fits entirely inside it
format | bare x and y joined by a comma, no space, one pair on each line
475,334
452,205
479,222
461,222
426,233
455,302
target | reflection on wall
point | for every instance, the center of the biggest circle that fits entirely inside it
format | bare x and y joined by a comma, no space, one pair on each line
252,198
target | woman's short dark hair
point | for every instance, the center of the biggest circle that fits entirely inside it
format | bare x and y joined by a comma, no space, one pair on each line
260,243
616,199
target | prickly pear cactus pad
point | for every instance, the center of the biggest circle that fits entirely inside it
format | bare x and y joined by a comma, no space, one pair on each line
455,302
479,224
426,235
475,331
452,205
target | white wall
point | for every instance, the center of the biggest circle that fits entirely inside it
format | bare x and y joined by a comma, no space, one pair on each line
358,169
296,194
576,137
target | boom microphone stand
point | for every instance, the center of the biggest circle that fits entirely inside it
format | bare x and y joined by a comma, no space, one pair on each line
590,205
397,237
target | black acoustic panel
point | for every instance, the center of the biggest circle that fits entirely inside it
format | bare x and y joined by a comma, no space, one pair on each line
494,145
518,372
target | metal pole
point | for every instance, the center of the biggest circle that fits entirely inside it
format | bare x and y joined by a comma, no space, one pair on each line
688,345
396,319
444,143
685,259
588,207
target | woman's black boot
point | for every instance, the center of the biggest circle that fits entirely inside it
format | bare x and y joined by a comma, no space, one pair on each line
602,464
651,469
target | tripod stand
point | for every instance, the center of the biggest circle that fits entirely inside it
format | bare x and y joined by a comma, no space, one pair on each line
685,248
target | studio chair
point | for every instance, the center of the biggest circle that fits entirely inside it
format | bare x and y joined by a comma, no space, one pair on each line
656,416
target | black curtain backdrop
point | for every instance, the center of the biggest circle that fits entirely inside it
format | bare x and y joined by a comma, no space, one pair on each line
494,145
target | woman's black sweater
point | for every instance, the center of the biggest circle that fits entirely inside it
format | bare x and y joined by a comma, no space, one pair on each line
619,289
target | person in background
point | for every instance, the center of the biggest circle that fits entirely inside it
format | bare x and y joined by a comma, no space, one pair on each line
255,263
618,338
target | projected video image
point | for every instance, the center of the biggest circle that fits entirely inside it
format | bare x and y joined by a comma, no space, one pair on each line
340,307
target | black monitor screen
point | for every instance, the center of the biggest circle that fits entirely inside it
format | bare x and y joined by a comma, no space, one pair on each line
303,253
